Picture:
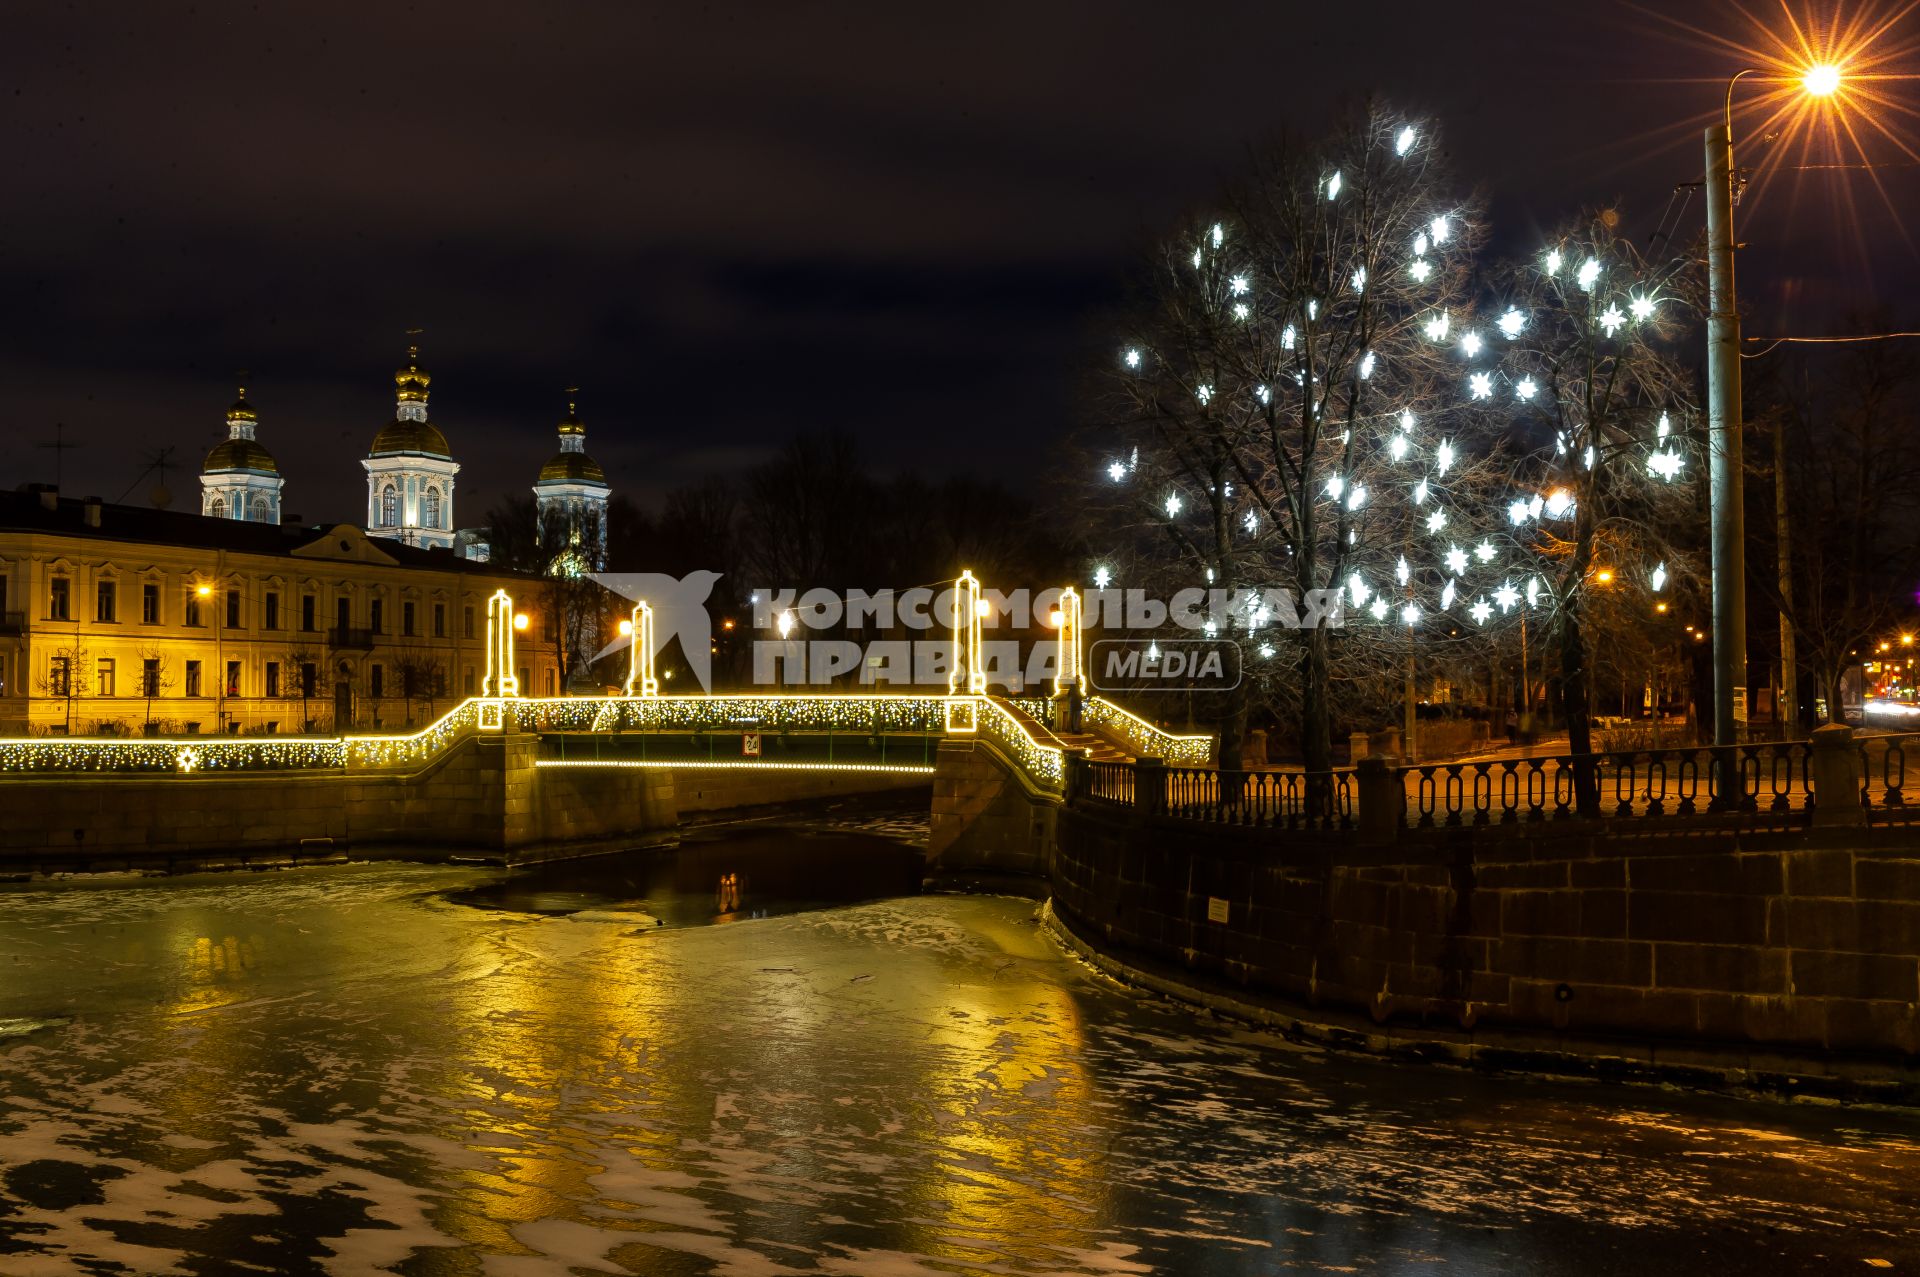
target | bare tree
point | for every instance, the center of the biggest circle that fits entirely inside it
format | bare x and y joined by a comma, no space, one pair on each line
156,678
1283,417
423,681
67,677
1852,471
1600,509
306,679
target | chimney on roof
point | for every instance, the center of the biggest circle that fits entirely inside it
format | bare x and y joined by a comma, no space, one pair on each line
49,496
90,508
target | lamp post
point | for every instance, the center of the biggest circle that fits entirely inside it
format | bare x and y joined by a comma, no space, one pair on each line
1723,416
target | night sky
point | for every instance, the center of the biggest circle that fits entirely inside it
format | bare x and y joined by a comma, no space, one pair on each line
728,224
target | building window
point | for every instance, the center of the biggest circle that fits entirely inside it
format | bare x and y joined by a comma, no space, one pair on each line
60,676
106,599
439,620
259,509
309,678
150,604
468,681
306,612
193,610
150,677
273,610
218,509
406,618
551,676
433,507
466,621
193,679
389,507
526,684
233,678
273,678
59,599
375,621
103,676
233,609
376,681
343,614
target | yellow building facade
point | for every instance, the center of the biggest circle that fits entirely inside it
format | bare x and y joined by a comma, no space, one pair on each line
121,619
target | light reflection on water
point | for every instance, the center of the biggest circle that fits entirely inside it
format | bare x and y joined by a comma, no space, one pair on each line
442,1071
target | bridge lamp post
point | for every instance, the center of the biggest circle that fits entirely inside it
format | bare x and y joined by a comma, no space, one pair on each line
1723,413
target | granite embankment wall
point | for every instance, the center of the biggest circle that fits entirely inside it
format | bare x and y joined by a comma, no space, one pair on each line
1789,950
482,797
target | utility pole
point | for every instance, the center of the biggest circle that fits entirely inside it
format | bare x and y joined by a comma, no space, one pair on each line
1787,708
1723,442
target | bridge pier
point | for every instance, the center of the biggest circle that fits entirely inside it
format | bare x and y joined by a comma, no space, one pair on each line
988,823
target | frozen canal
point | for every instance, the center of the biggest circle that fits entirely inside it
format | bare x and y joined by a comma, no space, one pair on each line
432,1070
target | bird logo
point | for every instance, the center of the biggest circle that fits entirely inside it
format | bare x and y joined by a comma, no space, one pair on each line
679,611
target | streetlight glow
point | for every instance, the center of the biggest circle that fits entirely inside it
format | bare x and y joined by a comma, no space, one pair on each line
1821,80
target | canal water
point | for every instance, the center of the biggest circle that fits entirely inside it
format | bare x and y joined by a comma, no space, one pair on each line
764,1054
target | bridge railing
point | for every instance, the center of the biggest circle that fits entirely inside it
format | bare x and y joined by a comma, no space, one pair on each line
1210,796
1883,775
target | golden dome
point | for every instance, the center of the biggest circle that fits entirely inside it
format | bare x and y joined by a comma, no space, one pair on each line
239,454
572,467
242,410
571,423
410,436
412,381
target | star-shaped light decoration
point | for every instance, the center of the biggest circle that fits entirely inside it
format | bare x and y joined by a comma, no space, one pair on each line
1506,596
1219,235
1665,464
1366,365
1358,589
1642,308
1404,143
1101,577
1335,486
1410,614
1553,261
1436,520
1397,447
1456,560
1611,319
1443,456
1480,611
1116,472
1559,503
1512,323
1658,580
1420,270
1287,337
187,758
1484,552
1446,595
1526,388
1470,343
1533,591
1238,285
1263,394
1441,229
1173,504
1589,274
1403,571
1266,651
1333,186
1359,279
1205,393
1358,497
1420,492
1133,358
1379,609
1406,420
1481,384
1437,327
1518,513
1665,427
1251,523
1240,311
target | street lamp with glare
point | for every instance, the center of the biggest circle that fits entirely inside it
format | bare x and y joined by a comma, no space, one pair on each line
1727,495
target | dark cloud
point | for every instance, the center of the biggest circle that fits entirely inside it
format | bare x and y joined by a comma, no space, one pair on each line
724,224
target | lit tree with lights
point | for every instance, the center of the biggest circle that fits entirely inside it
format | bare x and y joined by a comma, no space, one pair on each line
1285,417
1602,514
